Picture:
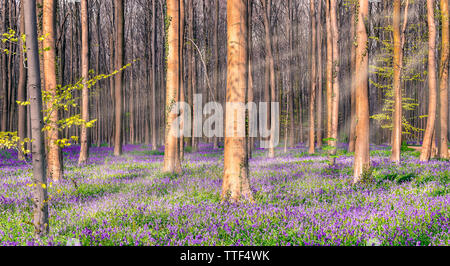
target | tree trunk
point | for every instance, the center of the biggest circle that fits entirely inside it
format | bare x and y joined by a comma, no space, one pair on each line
269,60
335,79
428,137
352,135
54,166
171,156
118,91
443,97
362,155
40,198
250,96
329,68
84,138
319,74
21,90
216,63
312,92
236,174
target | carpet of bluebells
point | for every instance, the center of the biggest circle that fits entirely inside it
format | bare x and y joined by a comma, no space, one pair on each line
299,200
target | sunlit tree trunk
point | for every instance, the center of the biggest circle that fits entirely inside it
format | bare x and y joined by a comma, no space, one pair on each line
236,185
397,64
443,97
40,198
84,138
428,137
312,92
362,155
118,81
171,156
54,167
335,79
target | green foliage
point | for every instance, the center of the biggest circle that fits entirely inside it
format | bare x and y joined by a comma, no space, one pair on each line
384,71
61,99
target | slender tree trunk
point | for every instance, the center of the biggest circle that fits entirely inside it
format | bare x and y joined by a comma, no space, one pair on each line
216,62
362,155
329,68
291,138
428,137
54,167
443,97
40,197
21,90
171,160
319,74
312,92
236,174
335,79
84,138
250,68
118,90
269,60
352,135
397,64
181,80
153,48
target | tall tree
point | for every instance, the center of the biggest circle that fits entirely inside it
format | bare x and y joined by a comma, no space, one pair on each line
270,65
335,80
329,67
313,79
54,169
362,155
153,76
250,93
425,153
443,87
351,143
397,115
236,174
118,84
319,74
399,40
171,156
84,138
21,90
40,197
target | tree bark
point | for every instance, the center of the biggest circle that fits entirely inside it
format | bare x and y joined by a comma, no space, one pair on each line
54,167
312,92
171,160
21,90
443,97
319,74
84,138
335,79
40,197
352,135
428,137
362,155
235,185
118,81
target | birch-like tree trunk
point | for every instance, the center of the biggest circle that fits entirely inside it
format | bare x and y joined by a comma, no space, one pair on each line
40,197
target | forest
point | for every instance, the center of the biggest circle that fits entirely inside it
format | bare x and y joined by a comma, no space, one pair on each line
224,123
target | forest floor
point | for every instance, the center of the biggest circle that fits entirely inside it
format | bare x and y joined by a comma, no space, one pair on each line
299,200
